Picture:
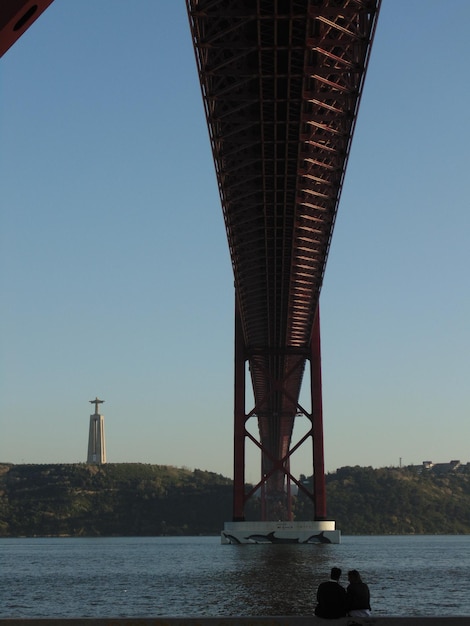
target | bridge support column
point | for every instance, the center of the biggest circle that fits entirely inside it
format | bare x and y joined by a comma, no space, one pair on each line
319,489
239,423
320,530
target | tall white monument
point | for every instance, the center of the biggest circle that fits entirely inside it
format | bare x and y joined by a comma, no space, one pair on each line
96,441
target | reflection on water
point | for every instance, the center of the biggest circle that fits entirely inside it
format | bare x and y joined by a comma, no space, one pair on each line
197,576
281,579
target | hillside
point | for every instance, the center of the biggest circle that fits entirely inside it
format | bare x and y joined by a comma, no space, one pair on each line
369,501
115,499
140,499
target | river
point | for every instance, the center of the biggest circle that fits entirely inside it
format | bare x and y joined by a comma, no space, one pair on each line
197,576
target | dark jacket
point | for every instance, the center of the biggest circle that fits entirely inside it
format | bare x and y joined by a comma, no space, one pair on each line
331,598
357,596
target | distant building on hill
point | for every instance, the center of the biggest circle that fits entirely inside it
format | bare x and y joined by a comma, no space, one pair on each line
96,441
440,468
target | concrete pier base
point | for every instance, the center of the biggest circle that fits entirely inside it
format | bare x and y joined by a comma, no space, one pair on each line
280,532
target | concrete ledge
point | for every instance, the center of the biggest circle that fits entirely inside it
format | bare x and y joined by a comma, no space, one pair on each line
242,621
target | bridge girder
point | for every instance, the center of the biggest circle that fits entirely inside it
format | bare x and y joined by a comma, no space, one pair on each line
281,82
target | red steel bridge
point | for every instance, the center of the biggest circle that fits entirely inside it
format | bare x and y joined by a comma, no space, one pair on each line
281,83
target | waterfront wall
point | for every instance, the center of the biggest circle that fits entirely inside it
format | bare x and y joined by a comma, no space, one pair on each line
243,621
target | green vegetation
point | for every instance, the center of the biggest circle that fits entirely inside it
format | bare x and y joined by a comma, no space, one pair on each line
117,499
396,501
125,499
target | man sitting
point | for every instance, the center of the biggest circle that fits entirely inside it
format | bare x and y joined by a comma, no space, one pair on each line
331,597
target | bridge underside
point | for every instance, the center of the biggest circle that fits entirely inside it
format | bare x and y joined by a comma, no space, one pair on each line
281,83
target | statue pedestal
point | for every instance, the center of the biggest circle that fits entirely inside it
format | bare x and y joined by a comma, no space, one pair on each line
96,442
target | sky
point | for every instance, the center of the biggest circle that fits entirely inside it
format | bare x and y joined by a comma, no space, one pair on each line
115,275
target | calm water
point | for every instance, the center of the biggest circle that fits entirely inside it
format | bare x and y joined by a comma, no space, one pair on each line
196,576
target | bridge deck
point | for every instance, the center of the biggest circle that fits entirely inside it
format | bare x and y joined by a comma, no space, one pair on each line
281,84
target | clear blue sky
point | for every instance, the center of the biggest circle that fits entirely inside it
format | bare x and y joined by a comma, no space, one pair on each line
114,267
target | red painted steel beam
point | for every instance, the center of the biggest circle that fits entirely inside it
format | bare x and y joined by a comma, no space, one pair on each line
276,473
16,16
319,488
281,85
239,423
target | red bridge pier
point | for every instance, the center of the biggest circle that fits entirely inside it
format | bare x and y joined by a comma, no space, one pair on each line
278,525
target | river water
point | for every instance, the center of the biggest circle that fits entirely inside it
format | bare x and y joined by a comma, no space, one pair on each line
197,576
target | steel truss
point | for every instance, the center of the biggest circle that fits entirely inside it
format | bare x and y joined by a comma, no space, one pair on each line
276,476
16,16
281,83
